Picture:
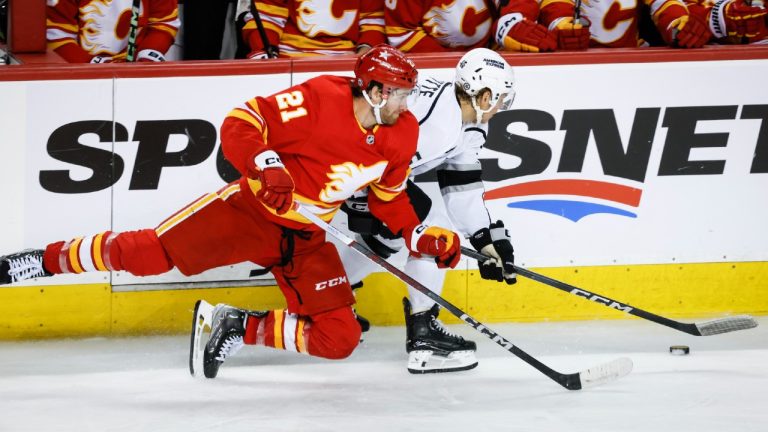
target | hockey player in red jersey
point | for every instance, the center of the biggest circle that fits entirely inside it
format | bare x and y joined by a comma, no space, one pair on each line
530,26
96,31
732,21
615,24
453,122
301,28
289,147
460,25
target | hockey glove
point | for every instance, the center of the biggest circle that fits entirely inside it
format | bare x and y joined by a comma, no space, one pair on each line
736,18
494,242
441,243
570,35
516,33
150,55
275,185
688,31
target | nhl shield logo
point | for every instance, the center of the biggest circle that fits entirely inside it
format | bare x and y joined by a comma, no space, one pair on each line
369,139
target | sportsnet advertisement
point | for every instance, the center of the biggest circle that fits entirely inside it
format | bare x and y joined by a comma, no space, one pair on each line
606,164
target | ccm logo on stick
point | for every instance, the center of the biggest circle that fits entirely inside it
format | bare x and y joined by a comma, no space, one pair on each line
598,299
330,283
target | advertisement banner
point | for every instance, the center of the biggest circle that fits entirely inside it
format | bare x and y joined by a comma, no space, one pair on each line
595,164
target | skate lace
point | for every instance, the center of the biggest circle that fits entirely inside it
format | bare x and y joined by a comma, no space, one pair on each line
230,347
25,267
438,326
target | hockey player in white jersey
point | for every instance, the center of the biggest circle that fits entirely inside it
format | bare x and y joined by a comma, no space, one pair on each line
453,124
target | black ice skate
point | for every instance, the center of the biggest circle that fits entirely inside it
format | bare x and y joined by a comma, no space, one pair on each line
227,331
23,265
431,348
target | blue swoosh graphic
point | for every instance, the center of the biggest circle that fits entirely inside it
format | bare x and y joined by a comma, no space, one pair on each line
573,210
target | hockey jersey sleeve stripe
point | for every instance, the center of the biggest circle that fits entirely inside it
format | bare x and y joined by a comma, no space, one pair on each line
371,27
248,116
659,6
386,194
52,44
299,44
172,17
69,28
403,39
468,175
267,11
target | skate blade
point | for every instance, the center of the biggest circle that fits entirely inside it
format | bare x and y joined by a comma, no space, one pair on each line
423,362
202,318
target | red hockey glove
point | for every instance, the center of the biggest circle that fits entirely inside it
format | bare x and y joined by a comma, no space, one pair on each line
274,186
494,242
688,31
736,18
515,33
570,35
441,243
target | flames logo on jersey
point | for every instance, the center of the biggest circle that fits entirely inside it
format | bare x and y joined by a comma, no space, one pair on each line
459,22
613,21
349,177
99,22
315,17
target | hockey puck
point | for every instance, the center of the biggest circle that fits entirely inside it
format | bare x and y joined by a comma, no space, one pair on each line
679,350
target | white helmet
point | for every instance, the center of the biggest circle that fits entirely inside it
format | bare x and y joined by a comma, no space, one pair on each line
483,68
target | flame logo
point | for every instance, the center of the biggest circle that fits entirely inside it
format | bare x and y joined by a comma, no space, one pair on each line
315,17
99,21
349,177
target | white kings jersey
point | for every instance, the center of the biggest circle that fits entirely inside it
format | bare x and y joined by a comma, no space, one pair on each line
452,148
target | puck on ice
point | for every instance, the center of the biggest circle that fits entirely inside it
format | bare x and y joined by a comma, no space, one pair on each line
679,350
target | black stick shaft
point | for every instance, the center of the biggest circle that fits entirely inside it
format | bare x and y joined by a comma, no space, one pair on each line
597,298
268,47
135,10
569,381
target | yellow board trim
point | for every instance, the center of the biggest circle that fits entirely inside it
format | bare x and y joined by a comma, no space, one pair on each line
677,291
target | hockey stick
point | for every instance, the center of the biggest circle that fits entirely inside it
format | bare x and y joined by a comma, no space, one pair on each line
270,49
708,328
574,381
135,9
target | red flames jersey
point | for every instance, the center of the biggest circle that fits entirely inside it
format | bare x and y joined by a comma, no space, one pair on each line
438,25
615,22
317,27
312,126
79,30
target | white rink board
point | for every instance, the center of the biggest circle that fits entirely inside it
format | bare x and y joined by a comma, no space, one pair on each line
679,218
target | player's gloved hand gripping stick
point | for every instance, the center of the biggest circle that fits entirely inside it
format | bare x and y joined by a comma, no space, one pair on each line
597,375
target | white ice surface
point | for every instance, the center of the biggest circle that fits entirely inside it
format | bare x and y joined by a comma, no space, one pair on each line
143,384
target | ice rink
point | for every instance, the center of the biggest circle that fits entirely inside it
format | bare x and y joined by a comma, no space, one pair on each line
143,384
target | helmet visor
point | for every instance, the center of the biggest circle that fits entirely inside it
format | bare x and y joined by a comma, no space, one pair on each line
399,95
506,100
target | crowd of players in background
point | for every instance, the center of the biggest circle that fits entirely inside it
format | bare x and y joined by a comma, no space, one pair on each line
97,31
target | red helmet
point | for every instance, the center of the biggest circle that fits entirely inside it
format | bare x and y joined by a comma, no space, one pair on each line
387,66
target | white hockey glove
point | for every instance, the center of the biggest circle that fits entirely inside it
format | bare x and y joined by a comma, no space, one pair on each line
494,242
150,55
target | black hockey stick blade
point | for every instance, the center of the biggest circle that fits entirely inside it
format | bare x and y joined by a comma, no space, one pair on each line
597,375
708,328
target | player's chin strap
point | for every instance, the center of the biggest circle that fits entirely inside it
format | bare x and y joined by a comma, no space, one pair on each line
376,108
479,111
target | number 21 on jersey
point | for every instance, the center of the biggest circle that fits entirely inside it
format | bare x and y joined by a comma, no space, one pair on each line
290,105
